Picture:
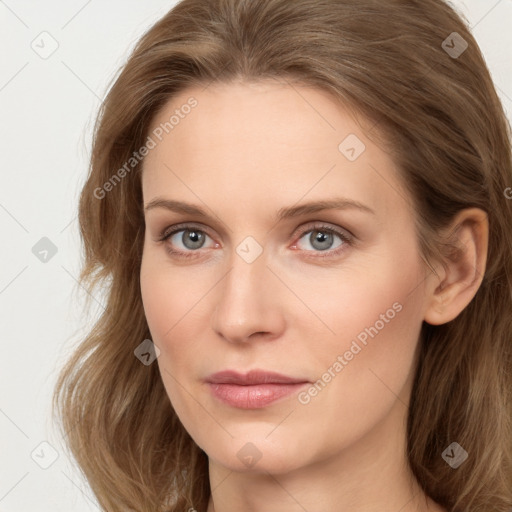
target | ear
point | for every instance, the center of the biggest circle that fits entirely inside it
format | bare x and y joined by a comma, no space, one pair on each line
462,273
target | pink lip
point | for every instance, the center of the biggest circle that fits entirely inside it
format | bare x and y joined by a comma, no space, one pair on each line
253,390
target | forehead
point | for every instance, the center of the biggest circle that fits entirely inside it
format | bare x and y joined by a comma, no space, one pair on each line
255,141
260,114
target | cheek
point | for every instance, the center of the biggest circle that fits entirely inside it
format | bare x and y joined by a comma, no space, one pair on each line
167,293
376,317
173,300
168,313
366,367
157,303
365,305
373,307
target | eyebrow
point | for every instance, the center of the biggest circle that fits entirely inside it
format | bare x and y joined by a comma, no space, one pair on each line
339,203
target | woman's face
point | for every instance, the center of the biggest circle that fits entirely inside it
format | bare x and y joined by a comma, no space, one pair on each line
332,298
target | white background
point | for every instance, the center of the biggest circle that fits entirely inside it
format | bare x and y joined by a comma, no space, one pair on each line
47,111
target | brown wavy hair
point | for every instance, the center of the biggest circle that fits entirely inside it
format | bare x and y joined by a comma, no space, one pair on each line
440,118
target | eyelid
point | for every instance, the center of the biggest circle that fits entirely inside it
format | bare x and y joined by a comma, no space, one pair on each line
169,230
300,230
347,237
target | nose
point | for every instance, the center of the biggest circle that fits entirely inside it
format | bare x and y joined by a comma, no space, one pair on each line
250,303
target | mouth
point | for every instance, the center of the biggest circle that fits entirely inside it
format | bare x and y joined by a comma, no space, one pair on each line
253,390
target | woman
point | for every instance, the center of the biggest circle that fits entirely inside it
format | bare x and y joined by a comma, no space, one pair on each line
301,211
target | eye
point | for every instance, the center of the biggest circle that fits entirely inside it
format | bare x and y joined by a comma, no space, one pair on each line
322,237
185,240
190,238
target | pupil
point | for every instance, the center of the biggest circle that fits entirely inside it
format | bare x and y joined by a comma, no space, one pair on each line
322,237
194,239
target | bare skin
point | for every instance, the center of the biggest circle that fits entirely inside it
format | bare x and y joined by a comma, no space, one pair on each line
246,151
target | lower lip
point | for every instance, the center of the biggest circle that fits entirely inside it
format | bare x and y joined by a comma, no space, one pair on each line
254,396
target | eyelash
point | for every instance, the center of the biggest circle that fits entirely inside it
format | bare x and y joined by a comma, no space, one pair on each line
346,239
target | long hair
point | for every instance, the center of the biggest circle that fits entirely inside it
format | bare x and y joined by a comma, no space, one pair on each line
434,107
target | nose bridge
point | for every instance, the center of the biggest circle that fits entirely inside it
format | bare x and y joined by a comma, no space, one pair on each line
247,300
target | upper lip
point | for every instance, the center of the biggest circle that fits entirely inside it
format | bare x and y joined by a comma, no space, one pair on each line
253,377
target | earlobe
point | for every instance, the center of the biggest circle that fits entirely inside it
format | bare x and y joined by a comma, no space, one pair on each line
463,270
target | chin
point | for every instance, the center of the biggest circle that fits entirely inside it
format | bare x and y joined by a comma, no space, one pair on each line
256,452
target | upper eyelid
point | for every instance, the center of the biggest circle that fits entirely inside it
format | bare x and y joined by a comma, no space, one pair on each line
301,230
